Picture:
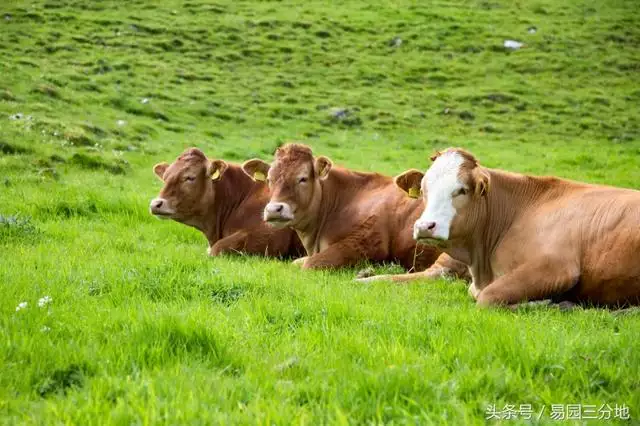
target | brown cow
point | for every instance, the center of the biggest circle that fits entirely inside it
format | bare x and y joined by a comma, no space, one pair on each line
342,217
221,201
532,238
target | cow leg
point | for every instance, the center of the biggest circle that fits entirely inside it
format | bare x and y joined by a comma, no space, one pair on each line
627,311
335,256
364,242
393,278
349,251
404,278
233,244
444,267
258,241
536,280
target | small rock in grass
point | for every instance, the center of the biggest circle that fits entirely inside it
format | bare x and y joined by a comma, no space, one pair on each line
339,113
395,42
513,45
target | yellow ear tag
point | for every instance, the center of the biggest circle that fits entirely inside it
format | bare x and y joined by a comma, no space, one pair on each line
259,176
414,192
215,175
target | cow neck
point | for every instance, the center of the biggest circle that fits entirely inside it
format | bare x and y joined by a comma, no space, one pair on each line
336,192
509,196
229,193
309,232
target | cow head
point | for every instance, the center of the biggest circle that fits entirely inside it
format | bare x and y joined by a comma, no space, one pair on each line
294,181
187,181
451,189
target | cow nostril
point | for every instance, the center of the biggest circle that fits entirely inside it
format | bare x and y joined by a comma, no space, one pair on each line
279,208
158,204
431,226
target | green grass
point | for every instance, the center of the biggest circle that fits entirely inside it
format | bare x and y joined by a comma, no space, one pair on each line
144,328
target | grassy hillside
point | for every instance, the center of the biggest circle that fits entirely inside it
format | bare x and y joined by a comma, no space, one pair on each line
144,328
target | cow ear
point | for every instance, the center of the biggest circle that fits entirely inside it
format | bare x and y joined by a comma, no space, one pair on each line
256,169
435,155
322,166
482,180
216,169
159,170
410,182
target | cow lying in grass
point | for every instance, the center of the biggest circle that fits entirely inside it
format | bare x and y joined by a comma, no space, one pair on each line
342,217
221,201
531,238
444,265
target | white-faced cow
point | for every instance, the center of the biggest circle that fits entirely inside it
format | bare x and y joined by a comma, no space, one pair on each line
530,238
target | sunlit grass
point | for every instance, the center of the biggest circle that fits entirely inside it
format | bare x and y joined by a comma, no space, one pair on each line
142,327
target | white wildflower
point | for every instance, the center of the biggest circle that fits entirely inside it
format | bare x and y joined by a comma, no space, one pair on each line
44,301
21,305
45,329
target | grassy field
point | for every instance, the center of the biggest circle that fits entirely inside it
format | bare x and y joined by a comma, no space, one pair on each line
143,328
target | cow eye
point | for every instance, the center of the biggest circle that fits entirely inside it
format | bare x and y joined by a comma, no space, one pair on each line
302,180
189,178
460,191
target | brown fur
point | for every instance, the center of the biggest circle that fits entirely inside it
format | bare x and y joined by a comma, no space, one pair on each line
227,208
344,217
531,238
291,154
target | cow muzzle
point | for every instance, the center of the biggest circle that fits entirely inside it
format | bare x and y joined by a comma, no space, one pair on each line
159,207
278,214
428,232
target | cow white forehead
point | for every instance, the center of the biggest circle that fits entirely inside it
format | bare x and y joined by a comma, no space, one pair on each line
444,170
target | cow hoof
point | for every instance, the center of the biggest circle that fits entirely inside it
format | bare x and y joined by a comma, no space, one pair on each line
365,273
300,261
473,291
210,252
435,273
565,305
